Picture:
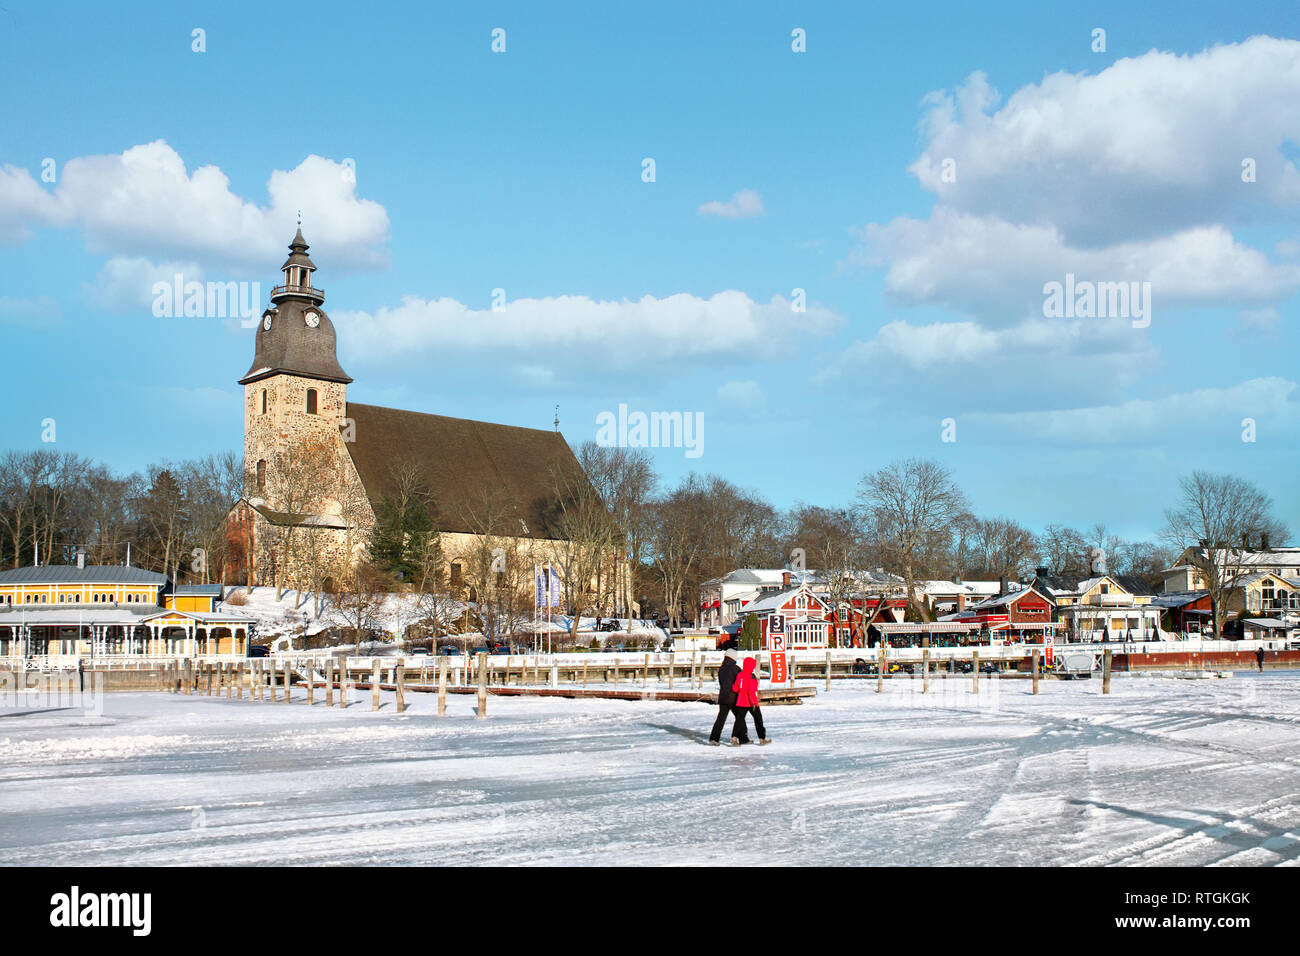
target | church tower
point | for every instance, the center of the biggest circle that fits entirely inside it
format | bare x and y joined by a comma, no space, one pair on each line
295,392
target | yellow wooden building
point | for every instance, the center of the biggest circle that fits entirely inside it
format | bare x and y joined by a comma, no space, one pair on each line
62,613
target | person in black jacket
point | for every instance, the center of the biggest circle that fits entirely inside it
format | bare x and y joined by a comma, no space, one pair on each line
727,674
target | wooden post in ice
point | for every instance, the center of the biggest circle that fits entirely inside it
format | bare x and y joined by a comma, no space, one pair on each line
288,679
374,683
672,666
925,671
189,677
1033,668
975,672
239,681
1105,671
880,669
442,687
482,686
343,684
329,682
615,670
645,671
401,686
584,672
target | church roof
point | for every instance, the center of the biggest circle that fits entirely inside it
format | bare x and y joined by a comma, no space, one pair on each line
294,347
469,469
290,345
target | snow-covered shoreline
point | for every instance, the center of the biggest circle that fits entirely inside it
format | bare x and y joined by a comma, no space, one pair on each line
1158,772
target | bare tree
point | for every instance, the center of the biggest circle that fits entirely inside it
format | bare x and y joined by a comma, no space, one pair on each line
1063,550
677,541
1213,520
1001,548
587,546
496,562
910,505
625,480
361,598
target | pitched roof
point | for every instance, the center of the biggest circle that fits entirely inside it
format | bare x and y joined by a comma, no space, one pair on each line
461,461
1005,600
773,601
1177,599
1056,584
71,574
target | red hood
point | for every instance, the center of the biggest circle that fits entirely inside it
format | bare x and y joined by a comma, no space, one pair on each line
750,664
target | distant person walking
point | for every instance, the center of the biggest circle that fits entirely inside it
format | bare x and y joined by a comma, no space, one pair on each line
746,687
1259,659
727,675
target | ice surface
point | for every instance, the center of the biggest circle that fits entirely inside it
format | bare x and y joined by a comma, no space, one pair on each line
1162,771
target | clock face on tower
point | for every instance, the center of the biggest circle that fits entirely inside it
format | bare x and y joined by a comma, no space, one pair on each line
312,319
266,323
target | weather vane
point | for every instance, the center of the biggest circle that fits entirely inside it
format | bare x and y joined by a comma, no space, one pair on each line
557,418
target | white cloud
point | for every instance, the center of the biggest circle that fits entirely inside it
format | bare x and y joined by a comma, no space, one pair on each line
727,325
743,204
125,283
947,365
746,394
23,204
143,202
1200,412
1150,144
994,269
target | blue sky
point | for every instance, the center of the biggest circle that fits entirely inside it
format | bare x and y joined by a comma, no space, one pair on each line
522,171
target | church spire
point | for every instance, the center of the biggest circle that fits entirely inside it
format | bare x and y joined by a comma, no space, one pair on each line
298,269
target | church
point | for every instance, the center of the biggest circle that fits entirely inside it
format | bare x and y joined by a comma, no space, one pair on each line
319,469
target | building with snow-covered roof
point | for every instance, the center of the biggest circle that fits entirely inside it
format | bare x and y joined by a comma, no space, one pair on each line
1186,573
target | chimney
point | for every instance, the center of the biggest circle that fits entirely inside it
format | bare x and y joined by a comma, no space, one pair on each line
1040,572
81,557
1263,541
785,579
961,601
1002,584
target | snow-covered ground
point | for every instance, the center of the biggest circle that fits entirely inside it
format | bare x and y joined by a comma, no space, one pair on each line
1163,771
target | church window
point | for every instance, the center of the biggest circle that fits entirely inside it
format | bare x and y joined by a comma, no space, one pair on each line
455,575
261,473
263,401
311,401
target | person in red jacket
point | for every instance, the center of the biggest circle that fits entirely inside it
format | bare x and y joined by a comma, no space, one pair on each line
746,688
